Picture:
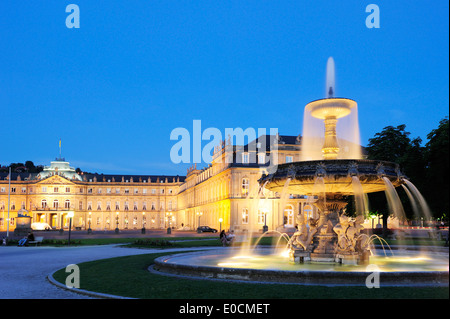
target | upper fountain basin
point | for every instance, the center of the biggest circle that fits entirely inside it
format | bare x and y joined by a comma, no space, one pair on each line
337,176
331,107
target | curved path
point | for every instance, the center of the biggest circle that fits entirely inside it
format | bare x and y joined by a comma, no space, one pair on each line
24,270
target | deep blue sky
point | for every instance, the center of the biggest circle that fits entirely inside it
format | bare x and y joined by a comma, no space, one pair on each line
114,89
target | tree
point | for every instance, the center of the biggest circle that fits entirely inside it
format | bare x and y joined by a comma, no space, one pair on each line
437,169
393,144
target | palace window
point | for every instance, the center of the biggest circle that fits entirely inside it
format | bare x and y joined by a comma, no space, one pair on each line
55,204
245,216
117,190
289,215
89,190
289,159
67,189
136,190
127,191
44,189
55,189
108,206
169,205
13,189
24,189
144,206
245,186
80,205
144,191
245,158
44,203
153,206
67,204
135,206
126,206
261,216
89,206
261,158
108,191
117,205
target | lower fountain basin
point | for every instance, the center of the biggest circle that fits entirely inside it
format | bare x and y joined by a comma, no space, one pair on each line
405,268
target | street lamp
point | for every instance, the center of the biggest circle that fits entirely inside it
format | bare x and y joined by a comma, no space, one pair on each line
89,221
220,221
199,214
169,219
70,215
117,223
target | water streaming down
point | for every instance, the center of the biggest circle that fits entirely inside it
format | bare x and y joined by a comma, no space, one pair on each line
361,201
425,210
394,203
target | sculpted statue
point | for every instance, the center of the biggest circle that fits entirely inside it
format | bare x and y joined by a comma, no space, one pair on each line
302,238
349,237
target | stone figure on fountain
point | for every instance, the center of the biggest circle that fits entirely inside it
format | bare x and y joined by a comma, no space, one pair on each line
351,244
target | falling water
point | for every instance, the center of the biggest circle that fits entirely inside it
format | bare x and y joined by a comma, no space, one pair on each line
425,210
360,197
412,201
394,203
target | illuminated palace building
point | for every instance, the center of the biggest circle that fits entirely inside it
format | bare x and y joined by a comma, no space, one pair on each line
224,194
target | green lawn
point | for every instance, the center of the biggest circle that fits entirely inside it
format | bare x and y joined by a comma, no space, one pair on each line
128,276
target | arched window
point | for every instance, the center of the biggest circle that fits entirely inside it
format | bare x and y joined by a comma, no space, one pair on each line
67,204
245,186
289,216
44,203
55,204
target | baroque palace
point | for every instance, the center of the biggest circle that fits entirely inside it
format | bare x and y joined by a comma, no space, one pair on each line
224,194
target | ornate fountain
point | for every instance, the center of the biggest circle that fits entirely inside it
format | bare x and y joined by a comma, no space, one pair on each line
332,236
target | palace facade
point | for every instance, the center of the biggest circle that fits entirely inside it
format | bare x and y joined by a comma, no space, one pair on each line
225,194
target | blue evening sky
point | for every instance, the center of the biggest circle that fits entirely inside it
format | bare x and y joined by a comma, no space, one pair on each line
115,88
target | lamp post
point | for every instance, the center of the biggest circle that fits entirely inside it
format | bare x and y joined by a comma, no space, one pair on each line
89,221
70,215
169,219
220,221
117,223
143,223
199,214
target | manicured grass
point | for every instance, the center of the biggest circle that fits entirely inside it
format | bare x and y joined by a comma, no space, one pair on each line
128,276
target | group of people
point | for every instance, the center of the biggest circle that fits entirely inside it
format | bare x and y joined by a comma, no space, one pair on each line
226,238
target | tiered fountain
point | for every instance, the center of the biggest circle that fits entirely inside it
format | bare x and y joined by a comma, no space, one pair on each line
330,175
328,248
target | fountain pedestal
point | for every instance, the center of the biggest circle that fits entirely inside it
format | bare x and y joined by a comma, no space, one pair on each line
299,256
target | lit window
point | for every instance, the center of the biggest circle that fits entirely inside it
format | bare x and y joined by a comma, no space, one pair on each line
289,159
245,158
245,186
261,158
245,216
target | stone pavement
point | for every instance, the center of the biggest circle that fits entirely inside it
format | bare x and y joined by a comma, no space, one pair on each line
24,270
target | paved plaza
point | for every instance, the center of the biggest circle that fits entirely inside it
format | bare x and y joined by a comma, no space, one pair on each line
24,270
